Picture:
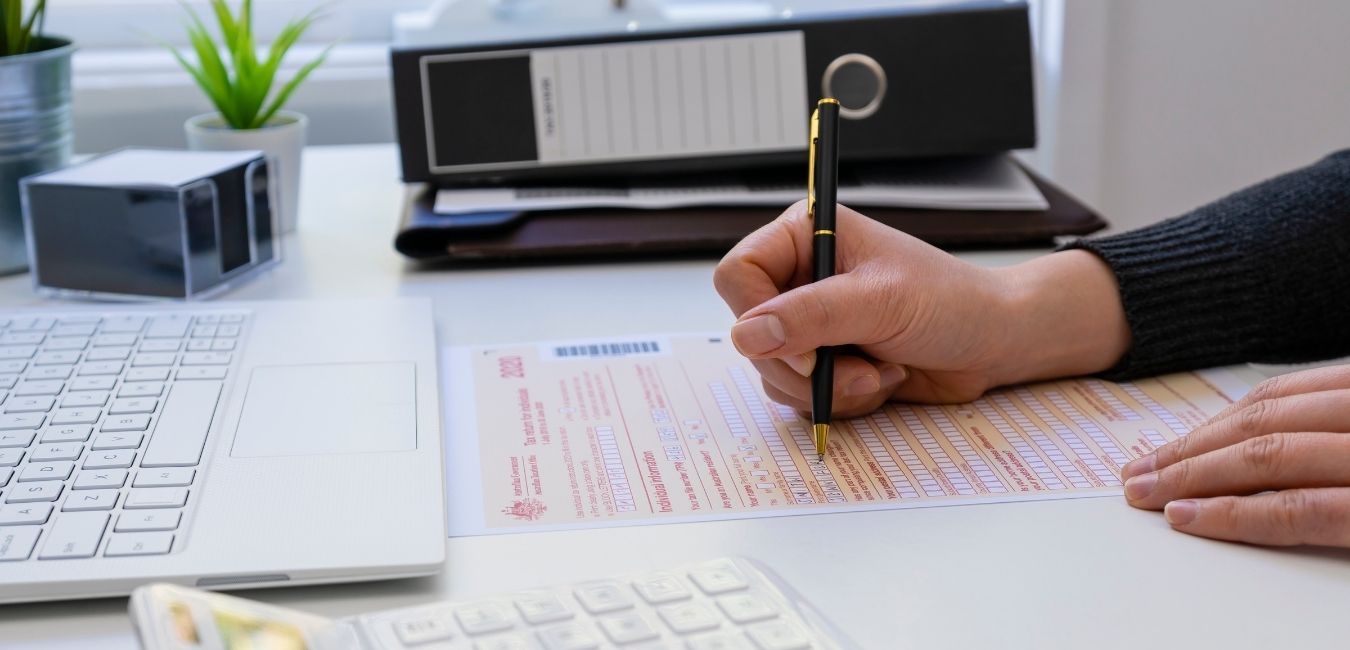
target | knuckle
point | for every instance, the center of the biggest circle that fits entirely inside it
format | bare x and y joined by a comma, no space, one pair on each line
1177,477
1268,389
1298,516
1175,450
1264,455
1251,420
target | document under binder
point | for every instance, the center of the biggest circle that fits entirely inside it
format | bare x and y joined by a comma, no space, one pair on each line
913,82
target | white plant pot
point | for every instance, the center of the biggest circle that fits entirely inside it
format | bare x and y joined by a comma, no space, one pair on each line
282,140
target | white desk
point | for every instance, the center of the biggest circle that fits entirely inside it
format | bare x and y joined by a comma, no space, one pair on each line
1083,573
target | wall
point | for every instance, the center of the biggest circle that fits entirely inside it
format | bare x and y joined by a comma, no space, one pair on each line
1168,104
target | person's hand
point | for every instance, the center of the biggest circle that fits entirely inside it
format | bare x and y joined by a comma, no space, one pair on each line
923,325
1273,469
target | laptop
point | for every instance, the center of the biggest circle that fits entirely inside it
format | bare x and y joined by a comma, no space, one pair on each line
223,445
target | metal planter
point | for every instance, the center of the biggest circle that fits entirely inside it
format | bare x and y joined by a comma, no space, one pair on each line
35,133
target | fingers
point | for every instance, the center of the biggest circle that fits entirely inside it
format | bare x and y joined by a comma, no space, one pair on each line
1319,516
1270,462
1319,411
1294,383
858,384
765,262
838,310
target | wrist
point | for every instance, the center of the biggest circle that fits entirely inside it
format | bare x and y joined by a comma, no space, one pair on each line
1062,317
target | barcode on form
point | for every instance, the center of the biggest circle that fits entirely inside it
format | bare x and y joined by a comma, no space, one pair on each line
605,349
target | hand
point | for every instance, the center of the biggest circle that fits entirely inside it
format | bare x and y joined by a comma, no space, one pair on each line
1274,468
924,325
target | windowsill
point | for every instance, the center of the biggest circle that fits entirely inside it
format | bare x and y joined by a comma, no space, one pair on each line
151,67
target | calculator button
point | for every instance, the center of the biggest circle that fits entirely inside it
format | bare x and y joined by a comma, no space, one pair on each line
602,597
661,589
568,636
627,628
717,579
745,608
482,619
687,618
778,635
719,642
423,629
543,608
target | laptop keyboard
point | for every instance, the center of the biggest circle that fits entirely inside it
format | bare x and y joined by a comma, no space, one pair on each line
103,421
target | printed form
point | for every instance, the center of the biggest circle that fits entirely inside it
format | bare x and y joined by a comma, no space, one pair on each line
661,429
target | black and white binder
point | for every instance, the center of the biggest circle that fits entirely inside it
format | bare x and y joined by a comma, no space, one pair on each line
913,82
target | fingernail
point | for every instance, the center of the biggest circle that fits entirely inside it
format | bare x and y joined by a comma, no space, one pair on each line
1180,513
1140,486
864,385
892,374
1139,466
802,363
759,335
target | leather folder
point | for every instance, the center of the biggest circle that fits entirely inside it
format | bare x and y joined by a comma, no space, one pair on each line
602,234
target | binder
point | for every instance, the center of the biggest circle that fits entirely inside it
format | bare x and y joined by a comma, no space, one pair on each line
913,82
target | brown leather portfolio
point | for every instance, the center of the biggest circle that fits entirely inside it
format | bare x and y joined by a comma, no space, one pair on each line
600,234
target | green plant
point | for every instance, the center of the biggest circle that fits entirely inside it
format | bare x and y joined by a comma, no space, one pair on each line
230,72
17,34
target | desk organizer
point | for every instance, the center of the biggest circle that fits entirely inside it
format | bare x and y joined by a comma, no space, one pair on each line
147,223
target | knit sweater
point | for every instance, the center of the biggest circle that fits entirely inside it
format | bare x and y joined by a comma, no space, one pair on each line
1262,275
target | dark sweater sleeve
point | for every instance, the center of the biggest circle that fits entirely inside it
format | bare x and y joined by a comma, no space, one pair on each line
1262,275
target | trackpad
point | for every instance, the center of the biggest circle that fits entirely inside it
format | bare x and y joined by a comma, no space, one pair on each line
328,409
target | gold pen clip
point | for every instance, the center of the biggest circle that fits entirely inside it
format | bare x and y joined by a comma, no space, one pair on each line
811,166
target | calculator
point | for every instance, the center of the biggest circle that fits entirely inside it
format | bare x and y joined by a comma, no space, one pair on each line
722,604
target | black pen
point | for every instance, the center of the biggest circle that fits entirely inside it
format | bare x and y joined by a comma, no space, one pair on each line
821,192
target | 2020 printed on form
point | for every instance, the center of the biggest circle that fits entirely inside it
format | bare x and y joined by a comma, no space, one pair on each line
657,429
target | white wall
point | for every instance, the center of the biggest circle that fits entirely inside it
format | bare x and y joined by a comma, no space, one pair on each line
1168,104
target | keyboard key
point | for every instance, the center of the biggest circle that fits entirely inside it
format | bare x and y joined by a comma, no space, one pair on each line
56,358
154,359
202,319
101,368
661,589
542,608
73,343
174,326
201,372
40,387
183,424
133,405
687,618
30,404
5,474
11,439
165,477
627,628
24,338
27,514
139,544
7,381
147,374
75,535
56,451
745,608
228,330
204,331
55,471
17,351
129,440
715,580
110,459
206,358
51,372
35,492
779,635
231,318
77,501
568,636
76,416
199,345
141,389
156,498
505,642
84,398
18,543
423,629
222,345
68,433
92,383
126,423
146,520
12,366
120,353
11,457
73,329
32,324
100,479
114,340
11,422
602,597
482,619
161,345
719,642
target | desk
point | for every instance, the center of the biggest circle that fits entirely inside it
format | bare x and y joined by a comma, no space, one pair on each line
1079,573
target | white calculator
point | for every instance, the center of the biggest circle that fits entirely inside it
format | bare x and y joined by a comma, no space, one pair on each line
724,604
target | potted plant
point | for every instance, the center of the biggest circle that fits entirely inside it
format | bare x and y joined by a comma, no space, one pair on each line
35,129
249,102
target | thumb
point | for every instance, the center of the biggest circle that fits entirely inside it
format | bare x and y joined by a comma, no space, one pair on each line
835,311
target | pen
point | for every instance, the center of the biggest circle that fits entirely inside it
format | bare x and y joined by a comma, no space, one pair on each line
821,192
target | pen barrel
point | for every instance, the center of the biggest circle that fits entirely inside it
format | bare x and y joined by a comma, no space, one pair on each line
826,166
822,257
822,386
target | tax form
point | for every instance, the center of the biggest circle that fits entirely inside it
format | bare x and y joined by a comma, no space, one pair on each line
676,428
